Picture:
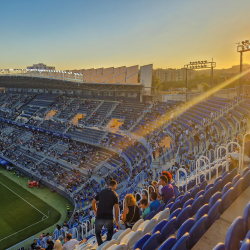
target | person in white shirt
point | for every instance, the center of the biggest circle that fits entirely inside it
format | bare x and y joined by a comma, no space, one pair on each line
70,243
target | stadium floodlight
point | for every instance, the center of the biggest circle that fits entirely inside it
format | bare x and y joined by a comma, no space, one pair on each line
243,47
200,65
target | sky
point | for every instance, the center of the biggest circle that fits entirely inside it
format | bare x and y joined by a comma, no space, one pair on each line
81,34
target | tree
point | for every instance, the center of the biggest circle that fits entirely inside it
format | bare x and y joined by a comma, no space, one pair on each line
155,81
206,87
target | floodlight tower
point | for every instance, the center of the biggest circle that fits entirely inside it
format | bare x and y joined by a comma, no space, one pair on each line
244,46
200,65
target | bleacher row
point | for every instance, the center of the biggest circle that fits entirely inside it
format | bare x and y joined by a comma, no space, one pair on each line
180,224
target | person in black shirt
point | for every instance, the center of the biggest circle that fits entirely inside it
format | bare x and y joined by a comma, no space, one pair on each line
34,245
107,198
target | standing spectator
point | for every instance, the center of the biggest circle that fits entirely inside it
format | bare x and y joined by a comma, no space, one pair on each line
167,191
131,212
155,202
69,242
107,198
47,237
145,207
58,231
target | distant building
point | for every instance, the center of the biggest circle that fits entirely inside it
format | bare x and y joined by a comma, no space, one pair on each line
41,66
173,75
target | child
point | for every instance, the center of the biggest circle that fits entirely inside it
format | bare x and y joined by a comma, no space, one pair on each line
155,202
145,207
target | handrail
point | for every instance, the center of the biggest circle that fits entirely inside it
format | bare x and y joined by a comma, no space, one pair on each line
209,166
217,159
147,192
197,174
178,179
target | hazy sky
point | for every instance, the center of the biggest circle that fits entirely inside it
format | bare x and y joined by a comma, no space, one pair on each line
103,33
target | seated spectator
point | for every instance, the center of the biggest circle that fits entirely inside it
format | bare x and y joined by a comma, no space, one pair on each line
145,207
69,242
167,191
61,239
154,204
131,212
50,244
33,246
145,195
40,241
235,156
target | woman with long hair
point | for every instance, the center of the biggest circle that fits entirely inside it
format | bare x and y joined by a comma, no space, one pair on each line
131,212
57,245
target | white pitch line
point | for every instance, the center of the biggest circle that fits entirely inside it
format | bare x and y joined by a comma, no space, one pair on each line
23,199
24,229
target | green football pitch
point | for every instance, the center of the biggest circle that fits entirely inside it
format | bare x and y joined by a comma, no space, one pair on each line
22,214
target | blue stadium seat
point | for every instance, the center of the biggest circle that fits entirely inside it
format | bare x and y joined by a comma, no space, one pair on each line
160,208
217,179
182,243
194,191
169,205
202,211
189,202
235,179
227,199
139,244
150,215
235,234
245,245
159,226
199,194
214,199
197,205
246,181
168,244
207,195
169,229
233,173
175,213
185,198
246,216
220,246
214,212
185,227
183,215
198,230
217,186
153,242
171,200
203,185
176,205
225,179
209,186
238,188
226,188
244,171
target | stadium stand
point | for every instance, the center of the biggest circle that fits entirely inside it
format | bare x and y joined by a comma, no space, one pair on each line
82,160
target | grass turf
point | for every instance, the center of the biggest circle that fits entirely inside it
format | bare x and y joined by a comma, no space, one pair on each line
16,214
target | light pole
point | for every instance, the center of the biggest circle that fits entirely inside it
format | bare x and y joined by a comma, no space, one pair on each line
244,46
201,65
